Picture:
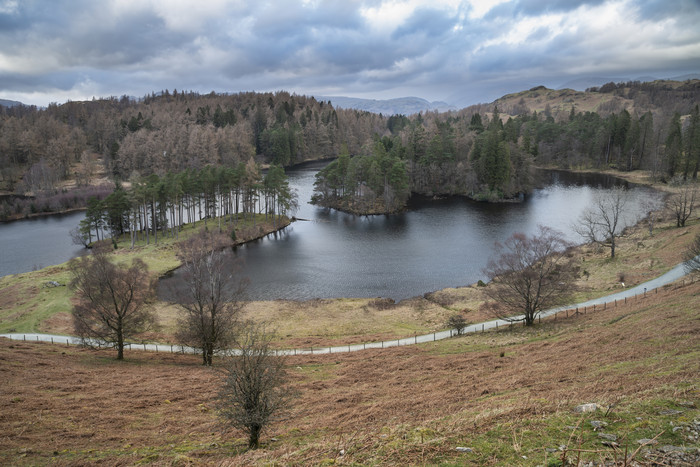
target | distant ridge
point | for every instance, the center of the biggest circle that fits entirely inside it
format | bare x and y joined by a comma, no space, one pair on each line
581,84
401,105
8,103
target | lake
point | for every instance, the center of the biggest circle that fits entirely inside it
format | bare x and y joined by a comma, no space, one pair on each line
38,242
432,245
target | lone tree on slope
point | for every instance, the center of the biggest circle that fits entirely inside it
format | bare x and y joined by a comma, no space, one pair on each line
603,222
530,275
254,390
209,300
112,300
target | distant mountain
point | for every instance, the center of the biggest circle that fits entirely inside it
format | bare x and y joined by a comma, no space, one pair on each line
7,103
686,77
581,84
402,105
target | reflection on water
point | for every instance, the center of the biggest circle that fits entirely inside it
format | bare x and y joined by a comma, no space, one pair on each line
433,245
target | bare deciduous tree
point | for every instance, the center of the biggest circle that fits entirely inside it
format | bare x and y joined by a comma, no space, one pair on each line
113,300
210,297
683,202
254,390
79,237
530,275
603,222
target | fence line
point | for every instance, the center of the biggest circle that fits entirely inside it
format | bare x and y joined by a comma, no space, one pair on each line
412,340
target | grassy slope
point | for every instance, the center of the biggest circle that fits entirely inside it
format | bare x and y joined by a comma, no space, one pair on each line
508,395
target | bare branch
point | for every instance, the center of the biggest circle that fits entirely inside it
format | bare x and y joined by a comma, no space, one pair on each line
113,301
683,202
210,299
530,275
602,223
254,390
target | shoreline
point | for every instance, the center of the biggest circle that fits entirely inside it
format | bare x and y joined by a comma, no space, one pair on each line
284,223
34,215
423,312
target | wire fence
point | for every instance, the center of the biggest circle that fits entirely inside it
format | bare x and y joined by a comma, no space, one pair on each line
590,306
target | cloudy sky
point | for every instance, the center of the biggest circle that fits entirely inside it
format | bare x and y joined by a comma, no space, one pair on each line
461,52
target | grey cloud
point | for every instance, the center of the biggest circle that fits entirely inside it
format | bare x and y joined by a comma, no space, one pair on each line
425,22
307,47
661,9
538,7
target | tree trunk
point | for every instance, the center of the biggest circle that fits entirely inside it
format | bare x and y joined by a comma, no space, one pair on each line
254,436
120,345
612,246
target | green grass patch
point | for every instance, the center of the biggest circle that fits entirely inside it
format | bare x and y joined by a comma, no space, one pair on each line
565,435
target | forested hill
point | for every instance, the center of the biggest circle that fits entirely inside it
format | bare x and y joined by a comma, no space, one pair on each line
470,151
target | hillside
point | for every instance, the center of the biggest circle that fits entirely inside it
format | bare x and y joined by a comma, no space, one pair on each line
625,125
658,97
508,396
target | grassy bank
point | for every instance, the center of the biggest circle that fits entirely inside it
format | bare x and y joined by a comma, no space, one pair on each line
28,302
26,306
508,396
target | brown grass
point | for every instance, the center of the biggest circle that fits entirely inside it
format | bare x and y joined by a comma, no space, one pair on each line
64,405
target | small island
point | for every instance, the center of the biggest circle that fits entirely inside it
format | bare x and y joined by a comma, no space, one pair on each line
481,160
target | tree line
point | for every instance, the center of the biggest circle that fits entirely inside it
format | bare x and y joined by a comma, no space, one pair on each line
170,131
490,157
484,150
155,205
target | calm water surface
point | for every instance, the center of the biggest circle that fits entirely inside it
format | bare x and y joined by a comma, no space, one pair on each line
35,243
435,244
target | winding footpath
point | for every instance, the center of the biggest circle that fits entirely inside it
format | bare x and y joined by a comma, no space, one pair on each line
673,275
